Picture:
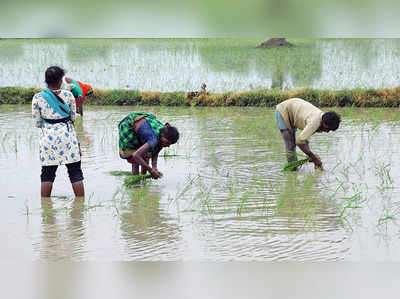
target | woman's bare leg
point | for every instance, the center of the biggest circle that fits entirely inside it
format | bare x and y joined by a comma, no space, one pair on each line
79,189
45,189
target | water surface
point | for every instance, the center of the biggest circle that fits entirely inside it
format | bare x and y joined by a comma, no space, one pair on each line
223,195
223,64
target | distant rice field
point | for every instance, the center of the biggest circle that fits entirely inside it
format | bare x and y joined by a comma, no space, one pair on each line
167,65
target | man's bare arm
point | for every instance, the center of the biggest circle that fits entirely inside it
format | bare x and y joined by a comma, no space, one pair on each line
314,158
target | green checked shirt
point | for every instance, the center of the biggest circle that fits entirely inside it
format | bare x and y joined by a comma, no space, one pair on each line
128,139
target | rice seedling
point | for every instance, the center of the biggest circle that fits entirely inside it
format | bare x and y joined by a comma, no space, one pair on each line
391,211
294,165
166,154
351,203
202,197
384,220
26,208
187,187
383,172
133,180
88,207
243,200
235,175
130,179
90,197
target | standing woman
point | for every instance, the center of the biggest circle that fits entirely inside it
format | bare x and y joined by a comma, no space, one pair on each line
54,111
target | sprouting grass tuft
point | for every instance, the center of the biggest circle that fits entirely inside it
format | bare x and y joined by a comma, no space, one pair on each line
291,166
132,180
135,179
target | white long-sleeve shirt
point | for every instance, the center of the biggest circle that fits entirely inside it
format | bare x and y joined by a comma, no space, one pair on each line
300,114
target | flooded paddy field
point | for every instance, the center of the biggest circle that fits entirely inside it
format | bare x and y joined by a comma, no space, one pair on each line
167,65
223,195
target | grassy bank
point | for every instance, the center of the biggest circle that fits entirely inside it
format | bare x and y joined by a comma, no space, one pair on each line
266,98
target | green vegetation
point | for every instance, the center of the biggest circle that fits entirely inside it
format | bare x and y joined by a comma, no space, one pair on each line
16,95
238,183
132,180
389,97
295,164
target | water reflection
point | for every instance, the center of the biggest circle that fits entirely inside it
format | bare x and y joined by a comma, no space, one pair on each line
84,138
223,64
84,51
11,50
63,232
148,231
286,219
303,204
284,67
223,197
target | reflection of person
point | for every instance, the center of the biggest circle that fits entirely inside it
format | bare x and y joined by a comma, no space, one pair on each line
295,114
141,217
54,110
62,239
84,138
142,136
79,90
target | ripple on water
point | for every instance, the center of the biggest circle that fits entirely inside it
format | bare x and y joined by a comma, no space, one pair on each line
227,200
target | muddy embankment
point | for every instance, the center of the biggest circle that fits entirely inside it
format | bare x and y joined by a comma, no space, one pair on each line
267,97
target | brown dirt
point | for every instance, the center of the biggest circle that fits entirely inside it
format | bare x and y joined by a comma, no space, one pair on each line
275,42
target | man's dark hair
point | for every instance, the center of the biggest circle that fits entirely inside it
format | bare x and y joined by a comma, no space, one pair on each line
53,74
331,119
171,133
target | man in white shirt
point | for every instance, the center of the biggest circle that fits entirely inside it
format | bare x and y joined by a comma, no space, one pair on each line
295,114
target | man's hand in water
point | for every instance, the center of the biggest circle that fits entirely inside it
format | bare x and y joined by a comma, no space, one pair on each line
318,163
155,174
313,157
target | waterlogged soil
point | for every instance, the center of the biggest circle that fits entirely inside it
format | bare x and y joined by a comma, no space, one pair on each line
223,195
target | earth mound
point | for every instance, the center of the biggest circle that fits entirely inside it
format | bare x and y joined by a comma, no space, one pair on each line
275,42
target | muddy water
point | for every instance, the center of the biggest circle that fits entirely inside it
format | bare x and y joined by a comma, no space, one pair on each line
223,195
223,64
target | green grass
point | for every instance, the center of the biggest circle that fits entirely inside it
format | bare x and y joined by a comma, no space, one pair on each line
294,165
389,97
136,179
130,180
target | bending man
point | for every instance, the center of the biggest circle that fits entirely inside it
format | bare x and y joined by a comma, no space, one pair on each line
295,114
